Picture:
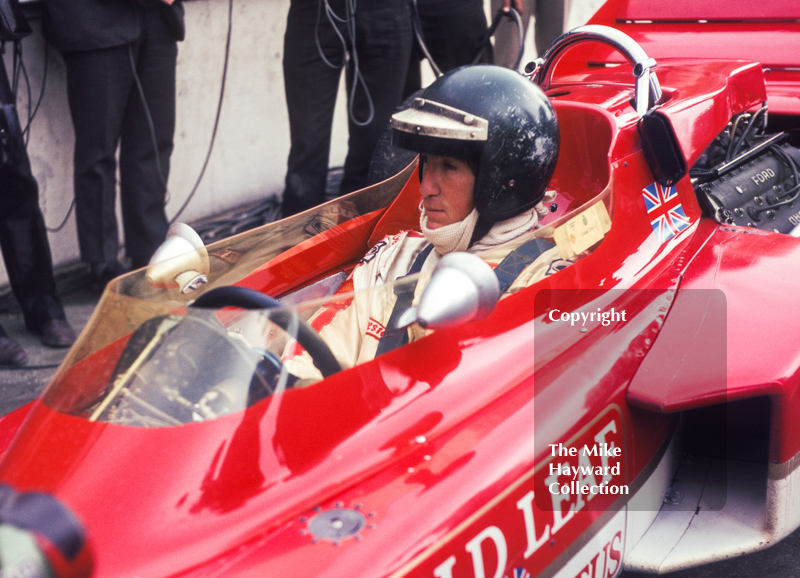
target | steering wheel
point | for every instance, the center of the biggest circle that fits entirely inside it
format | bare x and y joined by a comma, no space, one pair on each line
244,298
648,90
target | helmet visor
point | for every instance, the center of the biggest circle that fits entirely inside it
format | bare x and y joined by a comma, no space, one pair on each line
434,128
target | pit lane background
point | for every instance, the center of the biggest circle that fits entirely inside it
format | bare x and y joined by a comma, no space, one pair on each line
247,165
248,160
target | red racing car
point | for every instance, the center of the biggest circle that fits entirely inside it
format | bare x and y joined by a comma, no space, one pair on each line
635,410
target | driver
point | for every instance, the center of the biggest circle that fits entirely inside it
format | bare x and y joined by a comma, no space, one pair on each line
488,141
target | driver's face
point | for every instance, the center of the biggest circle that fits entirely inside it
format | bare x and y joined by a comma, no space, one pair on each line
447,187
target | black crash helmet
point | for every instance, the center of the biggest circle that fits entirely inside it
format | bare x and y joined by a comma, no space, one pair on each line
496,117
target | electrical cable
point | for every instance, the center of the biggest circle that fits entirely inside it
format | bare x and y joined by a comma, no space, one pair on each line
357,76
64,221
18,68
349,22
416,22
32,113
330,15
512,14
751,120
217,117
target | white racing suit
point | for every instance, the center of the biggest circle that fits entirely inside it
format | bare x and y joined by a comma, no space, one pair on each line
353,326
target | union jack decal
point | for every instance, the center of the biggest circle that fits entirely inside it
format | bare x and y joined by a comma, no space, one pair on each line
665,210
521,573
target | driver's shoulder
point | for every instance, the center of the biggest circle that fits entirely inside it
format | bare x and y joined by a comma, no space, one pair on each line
390,257
542,255
391,245
495,254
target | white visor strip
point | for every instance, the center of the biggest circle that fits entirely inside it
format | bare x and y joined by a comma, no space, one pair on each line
433,119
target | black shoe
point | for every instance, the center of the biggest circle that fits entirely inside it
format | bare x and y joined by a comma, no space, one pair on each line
57,333
11,354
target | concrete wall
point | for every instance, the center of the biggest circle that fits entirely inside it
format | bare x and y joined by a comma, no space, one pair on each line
249,156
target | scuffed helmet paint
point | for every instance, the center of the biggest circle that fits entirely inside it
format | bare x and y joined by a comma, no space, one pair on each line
517,152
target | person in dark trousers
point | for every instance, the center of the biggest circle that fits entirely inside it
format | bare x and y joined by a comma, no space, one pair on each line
109,47
454,32
23,240
549,20
372,40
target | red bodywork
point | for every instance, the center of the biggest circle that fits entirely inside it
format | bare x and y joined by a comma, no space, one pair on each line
445,446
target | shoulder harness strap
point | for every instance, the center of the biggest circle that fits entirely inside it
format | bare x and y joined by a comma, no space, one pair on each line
517,260
392,336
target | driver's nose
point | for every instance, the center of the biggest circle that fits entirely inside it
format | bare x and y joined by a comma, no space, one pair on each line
427,185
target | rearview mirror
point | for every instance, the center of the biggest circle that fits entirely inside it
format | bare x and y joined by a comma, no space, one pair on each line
463,288
661,148
180,262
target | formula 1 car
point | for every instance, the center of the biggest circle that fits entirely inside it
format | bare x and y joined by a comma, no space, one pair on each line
635,410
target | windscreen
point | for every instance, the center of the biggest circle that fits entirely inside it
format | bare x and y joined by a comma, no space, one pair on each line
201,363
148,357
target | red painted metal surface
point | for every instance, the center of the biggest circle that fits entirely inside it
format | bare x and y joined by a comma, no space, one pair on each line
446,446
709,10
711,30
